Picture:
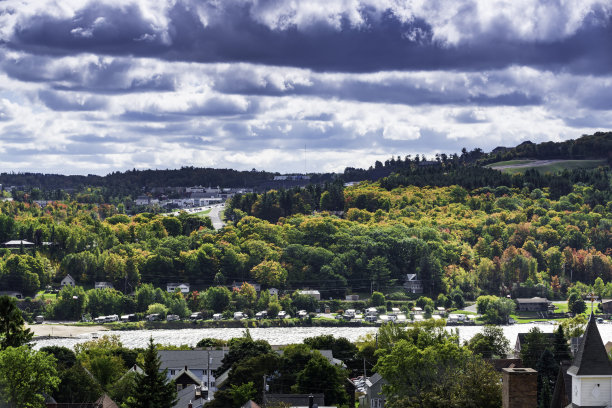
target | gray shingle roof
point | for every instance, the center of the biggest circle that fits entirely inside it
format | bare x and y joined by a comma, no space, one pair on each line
591,358
193,359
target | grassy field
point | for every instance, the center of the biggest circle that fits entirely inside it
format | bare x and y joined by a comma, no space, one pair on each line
509,163
202,212
554,167
45,296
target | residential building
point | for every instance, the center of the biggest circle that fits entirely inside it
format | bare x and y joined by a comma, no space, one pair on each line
18,243
273,291
11,293
200,363
68,280
534,304
314,293
103,285
606,306
412,284
374,397
172,287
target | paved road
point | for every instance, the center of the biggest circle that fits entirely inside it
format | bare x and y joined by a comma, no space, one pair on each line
214,215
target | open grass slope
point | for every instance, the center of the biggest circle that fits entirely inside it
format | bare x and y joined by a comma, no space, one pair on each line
544,166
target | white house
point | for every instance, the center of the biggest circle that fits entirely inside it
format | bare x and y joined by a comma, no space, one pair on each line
314,293
172,287
273,291
412,284
68,280
103,285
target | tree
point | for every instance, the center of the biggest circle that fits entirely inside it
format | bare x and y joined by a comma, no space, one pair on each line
489,343
578,307
377,299
151,389
532,348
269,273
320,374
217,298
243,393
25,375
561,349
12,330
380,274
157,308
547,369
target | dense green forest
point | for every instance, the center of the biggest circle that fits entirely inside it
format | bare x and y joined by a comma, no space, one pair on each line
462,229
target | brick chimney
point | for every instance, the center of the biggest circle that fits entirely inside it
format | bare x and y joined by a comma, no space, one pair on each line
519,388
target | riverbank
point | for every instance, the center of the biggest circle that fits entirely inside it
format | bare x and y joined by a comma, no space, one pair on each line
64,330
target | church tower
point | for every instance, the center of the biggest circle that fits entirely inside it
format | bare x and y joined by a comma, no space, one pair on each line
591,371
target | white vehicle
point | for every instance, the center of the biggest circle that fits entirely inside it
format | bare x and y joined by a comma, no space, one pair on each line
283,315
349,314
39,319
394,311
172,317
217,316
372,311
239,316
370,318
112,318
302,314
153,317
261,315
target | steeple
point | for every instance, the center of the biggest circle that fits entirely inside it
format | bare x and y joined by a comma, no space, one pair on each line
591,358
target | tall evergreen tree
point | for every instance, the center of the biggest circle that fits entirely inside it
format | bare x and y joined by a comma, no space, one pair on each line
12,329
561,349
151,389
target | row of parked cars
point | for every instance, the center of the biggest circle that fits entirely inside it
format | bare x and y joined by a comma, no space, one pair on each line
241,315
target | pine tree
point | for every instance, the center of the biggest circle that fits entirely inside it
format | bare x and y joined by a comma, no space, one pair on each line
151,389
561,349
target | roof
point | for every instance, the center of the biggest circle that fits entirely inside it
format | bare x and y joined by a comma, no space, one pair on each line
250,404
533,300
591,357
106,402
370,381
187,372
411,277
187,396
18,242
563,387
295,399
310,292
193,359
68,277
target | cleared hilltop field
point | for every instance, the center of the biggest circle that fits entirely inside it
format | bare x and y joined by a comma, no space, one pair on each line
544,166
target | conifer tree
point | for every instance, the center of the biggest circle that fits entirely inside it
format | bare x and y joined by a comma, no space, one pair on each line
151,389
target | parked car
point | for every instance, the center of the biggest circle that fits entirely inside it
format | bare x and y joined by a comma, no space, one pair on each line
283,315
154,317
349,314
173,317
261,315
39,319
239,316
302,314
129,318
217,316
370,318
112,318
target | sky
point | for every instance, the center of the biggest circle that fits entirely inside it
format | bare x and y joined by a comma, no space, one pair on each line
293,85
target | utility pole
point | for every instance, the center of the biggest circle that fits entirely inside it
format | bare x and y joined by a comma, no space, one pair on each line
263,400
208,373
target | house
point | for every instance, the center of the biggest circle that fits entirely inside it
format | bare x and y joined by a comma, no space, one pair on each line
17,243
103,402
314,293
374,397
273,291
192,396
412,284
103,285
68,280
590,373
534,304
200,363
606,306
182,287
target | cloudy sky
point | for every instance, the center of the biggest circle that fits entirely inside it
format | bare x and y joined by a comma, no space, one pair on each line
94,87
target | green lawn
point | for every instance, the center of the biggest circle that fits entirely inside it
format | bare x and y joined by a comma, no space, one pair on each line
508,163
45,296
202,212
556,167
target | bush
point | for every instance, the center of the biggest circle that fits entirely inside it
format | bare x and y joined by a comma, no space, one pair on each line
377,299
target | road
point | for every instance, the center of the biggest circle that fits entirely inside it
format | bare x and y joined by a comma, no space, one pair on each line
215,215
535,163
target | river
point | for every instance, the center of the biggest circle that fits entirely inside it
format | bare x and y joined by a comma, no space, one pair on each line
280,335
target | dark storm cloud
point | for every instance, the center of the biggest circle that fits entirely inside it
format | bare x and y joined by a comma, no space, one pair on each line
70,102
107,77
382,42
